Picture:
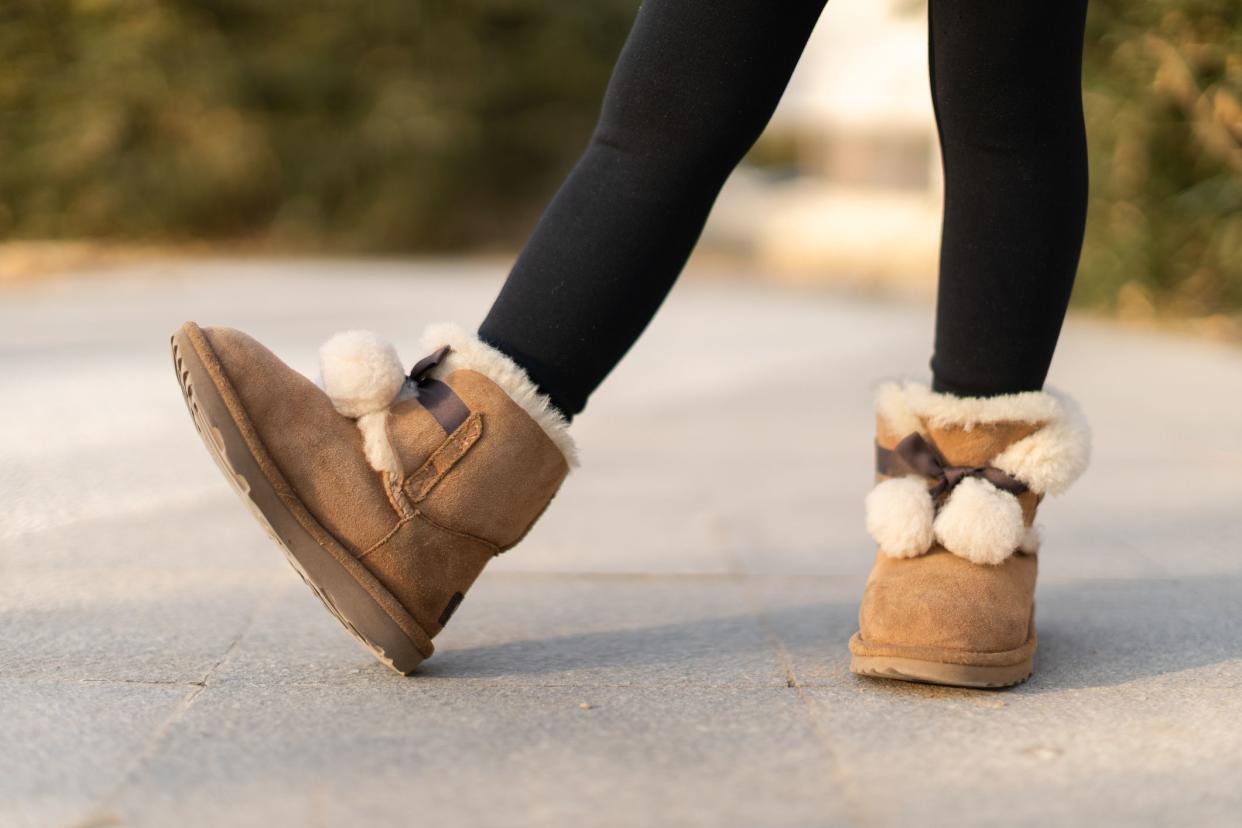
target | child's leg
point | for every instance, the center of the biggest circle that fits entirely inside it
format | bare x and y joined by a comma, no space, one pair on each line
390,491
950,599
694,86
1006,82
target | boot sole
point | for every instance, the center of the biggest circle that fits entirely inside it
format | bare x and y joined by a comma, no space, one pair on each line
949,674
367,610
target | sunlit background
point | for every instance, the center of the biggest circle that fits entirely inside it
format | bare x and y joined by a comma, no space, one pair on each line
135,128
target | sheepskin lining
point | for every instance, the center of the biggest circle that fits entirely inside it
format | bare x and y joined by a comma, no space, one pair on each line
1048,460
376,444
470,353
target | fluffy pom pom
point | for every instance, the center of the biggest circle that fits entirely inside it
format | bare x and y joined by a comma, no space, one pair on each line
899,516
980,523
361,373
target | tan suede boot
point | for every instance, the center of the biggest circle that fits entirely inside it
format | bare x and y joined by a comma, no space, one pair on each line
951,599
388,493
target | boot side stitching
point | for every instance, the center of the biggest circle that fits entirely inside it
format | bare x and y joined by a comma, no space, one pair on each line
397,497
417,515
386,538
420,515
419,484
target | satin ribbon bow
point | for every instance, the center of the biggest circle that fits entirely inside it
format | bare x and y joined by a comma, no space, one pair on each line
919,456
418,374
437,397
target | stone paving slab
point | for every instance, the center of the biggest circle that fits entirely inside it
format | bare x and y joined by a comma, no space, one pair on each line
70,744
536,630
1098,756
1170,635
416,752
121,623
694,584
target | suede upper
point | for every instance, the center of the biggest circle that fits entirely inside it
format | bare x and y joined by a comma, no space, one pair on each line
318,451
465,496
940,601
939,606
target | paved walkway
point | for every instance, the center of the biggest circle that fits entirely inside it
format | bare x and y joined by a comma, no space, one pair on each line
668,645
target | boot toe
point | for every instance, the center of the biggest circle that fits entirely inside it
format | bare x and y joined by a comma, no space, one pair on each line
943,602
317,450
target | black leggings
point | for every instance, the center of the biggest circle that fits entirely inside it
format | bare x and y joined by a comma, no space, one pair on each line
693,88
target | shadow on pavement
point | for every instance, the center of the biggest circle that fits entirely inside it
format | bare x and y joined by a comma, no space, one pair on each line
1093,633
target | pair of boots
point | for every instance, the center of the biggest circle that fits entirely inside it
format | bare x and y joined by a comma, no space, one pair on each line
389,492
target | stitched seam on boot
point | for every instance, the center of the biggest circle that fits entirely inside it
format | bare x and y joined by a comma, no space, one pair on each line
496,550
397,497
419,484
393,483
386,538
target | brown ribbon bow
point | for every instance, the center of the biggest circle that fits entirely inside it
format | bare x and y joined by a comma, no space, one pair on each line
419,372
435,396
915,455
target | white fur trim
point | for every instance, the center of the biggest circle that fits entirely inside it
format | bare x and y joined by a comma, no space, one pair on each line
912,401
375,443
899,516
1048,460
891,405
1030,540
468,352
980,522
361,373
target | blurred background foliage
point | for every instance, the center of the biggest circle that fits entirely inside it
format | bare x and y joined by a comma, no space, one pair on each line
1162,92
384,125
416,125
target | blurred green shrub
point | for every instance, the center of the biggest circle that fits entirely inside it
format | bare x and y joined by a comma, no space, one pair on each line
397,125
382,125
1162,85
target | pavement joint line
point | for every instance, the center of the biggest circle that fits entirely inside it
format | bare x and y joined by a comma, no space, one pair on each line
99,813
843,781
440,682
143,682
245,628
447,682
421,682
738,576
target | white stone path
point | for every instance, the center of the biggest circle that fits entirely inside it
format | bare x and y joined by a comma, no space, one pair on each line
666,648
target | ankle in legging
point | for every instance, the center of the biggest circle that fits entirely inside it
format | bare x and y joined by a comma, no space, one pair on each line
695,85
1006,86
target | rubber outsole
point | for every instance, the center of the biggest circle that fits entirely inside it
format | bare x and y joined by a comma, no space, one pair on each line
990,676
356,599
931,672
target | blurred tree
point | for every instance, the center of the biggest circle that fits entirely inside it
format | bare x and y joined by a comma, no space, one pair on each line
384,125
1163,81
401,125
